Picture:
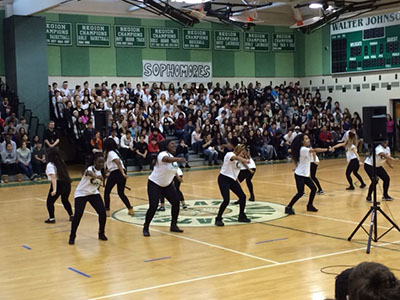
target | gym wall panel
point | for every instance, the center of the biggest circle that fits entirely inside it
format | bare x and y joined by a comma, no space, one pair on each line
223,61
128,60
264,62
53,52
284,61
2,62
177,54
74,60
102,60
151,53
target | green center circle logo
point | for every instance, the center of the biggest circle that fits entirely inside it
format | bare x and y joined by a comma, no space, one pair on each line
200,213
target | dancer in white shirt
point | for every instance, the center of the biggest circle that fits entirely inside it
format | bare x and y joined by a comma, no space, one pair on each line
301,157
88,191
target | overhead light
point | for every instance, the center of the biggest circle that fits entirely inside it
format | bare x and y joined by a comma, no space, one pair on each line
315,5
190,1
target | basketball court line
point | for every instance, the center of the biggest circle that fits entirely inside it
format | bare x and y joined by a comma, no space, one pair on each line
232,273
182,237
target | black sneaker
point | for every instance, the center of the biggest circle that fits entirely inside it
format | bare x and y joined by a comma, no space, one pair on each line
146,231
50,221
219,222
184,206
311,208
252,199
350,188
387,198
161,208
175,228
187,166
289,210
71,239
236,202
102,237
243,219
71,218
368,199
321,192
363,186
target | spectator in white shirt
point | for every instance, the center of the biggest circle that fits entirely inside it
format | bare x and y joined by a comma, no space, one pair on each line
127,146
121,92
114,136
65,91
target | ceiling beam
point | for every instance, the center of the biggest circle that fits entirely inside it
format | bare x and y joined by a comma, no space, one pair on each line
30,7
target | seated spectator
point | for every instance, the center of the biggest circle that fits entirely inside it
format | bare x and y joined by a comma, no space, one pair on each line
9,163
141,152
22,123
183,151
155,133
187,132
325,137
24,160
39,160
97,142
180,125
209,150
7,139
220,145
168,124
153,151
373,281
113,135
197,141
127,148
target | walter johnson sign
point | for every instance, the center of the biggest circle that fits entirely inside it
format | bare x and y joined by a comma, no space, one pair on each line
176,71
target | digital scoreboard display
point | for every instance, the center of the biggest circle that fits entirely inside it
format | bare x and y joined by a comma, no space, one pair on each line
366,44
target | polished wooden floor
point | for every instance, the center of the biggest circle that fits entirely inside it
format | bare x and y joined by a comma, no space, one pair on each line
204,263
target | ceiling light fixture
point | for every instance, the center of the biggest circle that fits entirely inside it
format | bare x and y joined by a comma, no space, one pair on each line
315,5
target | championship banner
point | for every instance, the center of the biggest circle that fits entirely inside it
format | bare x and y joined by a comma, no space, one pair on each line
176,71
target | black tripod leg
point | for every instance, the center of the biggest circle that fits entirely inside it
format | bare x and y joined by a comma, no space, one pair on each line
389,219
359,225
371,229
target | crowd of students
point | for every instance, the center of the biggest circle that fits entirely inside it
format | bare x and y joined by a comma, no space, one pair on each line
209,119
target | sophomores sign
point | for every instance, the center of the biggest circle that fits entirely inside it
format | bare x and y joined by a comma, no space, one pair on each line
93,35
176,71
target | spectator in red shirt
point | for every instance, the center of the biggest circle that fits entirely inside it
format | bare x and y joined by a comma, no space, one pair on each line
325,137
180,125
153,151
155,133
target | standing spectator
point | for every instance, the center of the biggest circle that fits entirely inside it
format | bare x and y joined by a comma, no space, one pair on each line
39,160
141,152
51,139
390,130
24,160
9,164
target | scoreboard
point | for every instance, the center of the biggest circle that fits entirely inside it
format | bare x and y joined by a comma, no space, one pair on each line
366,44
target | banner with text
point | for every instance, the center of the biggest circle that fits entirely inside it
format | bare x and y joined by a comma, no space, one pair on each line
176,71
93,35
58,33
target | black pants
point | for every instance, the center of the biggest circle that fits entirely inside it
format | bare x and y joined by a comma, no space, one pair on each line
38,167
10,169
177,185
155,193
63,190
116,178
380,173
227,184
313,175
300,182
97,203
246,174
353,167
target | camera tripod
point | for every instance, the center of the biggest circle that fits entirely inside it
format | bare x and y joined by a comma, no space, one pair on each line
373,211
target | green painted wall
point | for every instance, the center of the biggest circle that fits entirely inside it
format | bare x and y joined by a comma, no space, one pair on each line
310,58
112,61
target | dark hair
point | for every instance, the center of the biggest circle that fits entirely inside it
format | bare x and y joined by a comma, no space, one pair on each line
295,147
95,156
373,281
163,145
110,145
53,156
342,284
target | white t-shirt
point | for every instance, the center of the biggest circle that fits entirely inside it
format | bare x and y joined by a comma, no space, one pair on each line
179,172
88,185
303,166
379,160
112,166
51,170
163,172
315,159
251,165
350,153
230,168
